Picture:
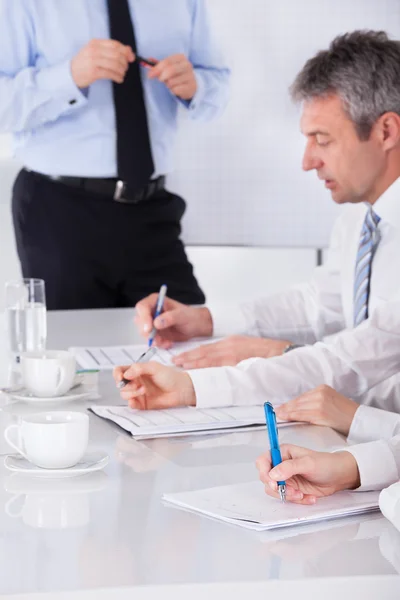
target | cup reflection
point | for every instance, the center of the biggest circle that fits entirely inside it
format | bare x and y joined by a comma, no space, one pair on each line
52,503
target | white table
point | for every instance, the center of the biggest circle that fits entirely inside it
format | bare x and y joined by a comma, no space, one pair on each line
115,532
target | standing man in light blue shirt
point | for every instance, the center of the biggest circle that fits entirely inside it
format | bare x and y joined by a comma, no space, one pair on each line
94,130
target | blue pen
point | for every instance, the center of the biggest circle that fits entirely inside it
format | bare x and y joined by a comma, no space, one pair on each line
276,456
159,308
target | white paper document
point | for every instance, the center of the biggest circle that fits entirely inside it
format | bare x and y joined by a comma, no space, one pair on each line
108,357
183,421
247,505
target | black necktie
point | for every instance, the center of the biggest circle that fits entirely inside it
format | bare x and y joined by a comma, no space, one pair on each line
134,159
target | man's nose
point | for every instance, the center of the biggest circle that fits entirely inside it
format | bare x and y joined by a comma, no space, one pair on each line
311,161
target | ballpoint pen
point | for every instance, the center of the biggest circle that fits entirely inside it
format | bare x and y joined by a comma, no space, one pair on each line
145,357
276,457
159,308
146,62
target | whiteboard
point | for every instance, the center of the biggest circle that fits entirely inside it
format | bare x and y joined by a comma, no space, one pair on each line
241,175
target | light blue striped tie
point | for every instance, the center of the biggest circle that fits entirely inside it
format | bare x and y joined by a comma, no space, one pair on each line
368,242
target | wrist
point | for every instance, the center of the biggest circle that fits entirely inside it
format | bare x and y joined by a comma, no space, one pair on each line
206,325
351,410
347,417
187,393
349,475
277,348
289,346
267,348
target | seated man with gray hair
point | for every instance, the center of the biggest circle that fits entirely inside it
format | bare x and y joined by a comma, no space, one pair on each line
351,121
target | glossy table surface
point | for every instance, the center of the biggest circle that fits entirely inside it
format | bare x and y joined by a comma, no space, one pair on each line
111,529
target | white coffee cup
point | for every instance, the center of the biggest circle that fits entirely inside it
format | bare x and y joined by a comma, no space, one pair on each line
51,440
48,373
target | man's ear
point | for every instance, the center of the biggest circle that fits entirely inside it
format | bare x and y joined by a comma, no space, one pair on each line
389,130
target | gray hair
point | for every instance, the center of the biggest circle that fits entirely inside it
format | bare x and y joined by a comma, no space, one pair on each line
363,69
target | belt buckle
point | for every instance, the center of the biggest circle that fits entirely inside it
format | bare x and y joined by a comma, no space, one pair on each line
119,190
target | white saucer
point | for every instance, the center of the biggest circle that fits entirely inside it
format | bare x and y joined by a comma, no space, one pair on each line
91,462
24,396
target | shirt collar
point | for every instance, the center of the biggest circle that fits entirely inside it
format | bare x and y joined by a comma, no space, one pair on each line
387,207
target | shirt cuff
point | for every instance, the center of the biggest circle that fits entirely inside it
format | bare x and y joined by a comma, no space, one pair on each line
376,465
58,80
197,100
212,387
228,321
371,424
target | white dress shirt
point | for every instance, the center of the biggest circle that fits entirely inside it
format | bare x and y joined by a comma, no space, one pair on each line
378,457
355,360
378,462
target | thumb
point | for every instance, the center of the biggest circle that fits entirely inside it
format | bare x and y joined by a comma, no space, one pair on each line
130,55
289,468
168,319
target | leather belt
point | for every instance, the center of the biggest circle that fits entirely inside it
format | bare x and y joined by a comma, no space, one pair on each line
116,189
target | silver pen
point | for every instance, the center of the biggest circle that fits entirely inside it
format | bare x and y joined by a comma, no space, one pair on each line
145,357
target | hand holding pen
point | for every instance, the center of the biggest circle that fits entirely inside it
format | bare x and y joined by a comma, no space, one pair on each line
308,474
176,72
148,355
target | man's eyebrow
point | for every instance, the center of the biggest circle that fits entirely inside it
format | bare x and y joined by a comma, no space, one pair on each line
315,132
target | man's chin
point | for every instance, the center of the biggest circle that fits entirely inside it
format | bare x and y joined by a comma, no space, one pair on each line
339,198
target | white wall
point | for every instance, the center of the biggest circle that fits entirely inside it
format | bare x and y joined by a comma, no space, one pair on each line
9,264
242,174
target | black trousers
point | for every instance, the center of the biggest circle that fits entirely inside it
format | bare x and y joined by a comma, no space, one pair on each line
93,252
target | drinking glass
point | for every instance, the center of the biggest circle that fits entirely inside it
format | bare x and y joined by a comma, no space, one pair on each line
26,316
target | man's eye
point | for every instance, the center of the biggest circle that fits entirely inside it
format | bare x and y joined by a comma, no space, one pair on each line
323,143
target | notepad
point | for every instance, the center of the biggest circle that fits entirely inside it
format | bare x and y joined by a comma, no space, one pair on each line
184,421
248,506
108,357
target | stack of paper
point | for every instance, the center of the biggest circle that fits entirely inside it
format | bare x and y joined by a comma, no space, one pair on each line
108,357
183,421
247,505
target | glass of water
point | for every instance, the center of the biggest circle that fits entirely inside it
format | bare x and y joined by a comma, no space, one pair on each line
26,316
